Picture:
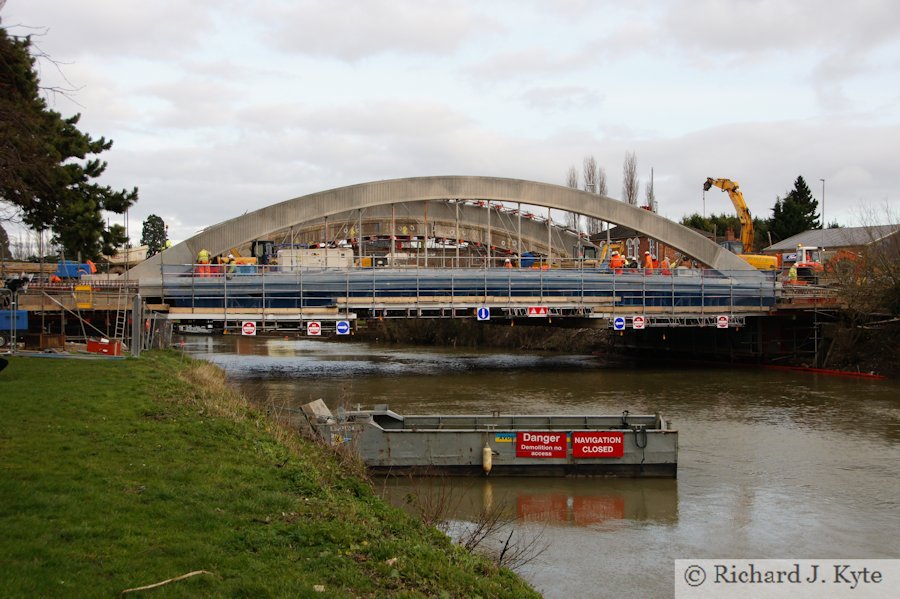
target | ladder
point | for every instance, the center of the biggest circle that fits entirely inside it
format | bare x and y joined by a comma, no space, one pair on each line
121,316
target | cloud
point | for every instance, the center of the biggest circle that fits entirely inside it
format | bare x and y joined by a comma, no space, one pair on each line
164,28
353,30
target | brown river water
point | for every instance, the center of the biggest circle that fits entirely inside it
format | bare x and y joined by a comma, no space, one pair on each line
772,464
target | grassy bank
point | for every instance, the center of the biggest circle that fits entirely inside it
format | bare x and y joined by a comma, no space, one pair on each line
119,474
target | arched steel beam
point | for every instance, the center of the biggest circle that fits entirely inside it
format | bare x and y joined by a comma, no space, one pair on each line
260,223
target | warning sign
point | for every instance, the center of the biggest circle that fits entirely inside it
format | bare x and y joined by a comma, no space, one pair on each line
537,311
638,322
248,327
314,327
598,445
722,321
540,445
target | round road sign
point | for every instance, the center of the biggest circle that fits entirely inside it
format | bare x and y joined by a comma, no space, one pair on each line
619,323
722,321
484,313
248,327
314,328
638,322
342,327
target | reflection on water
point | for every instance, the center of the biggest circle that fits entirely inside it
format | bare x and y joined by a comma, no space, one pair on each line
771,464
553,501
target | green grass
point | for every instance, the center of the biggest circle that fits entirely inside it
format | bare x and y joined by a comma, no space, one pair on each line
122,473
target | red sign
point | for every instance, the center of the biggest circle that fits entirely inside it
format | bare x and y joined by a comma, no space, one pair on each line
598,445
314,328
537,311
722,321
542,444
637,322
248,327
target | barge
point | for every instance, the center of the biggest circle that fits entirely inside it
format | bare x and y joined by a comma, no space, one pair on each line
626,445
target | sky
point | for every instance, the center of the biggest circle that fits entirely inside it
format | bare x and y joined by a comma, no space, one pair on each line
220,107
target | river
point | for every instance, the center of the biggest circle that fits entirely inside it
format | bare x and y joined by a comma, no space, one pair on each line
772,464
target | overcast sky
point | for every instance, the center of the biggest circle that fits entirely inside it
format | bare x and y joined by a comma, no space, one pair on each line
217,107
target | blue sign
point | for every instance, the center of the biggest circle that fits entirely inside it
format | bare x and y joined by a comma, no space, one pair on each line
484,313
343,327
619,323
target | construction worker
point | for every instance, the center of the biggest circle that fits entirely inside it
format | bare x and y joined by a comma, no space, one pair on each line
203,263
648,263
666,266
792,273
507,263
616,262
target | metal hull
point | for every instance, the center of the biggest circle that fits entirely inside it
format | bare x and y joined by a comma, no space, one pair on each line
632,446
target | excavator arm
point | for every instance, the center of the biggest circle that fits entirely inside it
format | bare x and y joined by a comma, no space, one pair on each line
737,198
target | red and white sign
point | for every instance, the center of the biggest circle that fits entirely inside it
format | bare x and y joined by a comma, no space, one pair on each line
248,327
537,311
722,321
314,327
638,322
598,445
540,444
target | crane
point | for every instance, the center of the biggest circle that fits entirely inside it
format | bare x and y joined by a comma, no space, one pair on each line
758,261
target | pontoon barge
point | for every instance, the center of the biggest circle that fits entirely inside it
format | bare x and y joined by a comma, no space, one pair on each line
627,445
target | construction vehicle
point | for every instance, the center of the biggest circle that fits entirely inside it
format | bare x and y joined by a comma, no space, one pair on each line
757,261
808,262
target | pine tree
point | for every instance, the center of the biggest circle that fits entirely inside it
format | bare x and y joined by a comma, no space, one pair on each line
46,168
154,235
795,213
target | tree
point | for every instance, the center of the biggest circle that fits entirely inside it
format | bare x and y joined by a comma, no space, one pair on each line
719,223
630,184
154,235
651,195
572,181
5,254
795,213
47,166
592,185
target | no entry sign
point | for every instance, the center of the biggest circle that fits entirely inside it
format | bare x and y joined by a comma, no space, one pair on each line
722,321
598,445
314,327
248,327
544,444
638,322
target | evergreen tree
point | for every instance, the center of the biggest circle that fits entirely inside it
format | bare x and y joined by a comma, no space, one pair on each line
795,213
46,164
154,235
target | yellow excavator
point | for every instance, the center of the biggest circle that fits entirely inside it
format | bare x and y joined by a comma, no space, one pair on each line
757,261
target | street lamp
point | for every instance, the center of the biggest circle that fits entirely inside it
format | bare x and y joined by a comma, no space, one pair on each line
823,214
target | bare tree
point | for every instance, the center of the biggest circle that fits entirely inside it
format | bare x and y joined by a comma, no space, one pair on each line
590,184
572,177
602,188
630,185
590,174
651,196
572,181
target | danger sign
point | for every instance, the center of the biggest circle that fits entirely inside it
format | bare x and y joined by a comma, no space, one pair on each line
540,445
314,327
537,311
638,322
722,321
598,445
248,327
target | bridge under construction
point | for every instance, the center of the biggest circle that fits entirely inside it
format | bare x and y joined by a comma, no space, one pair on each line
433,247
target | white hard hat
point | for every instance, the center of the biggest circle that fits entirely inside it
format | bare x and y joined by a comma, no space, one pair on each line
231,256
507,260
615,253
648,253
